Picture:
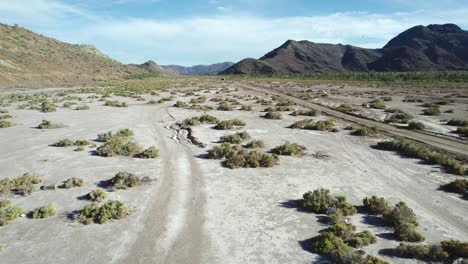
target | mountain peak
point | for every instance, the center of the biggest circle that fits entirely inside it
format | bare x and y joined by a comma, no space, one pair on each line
445,28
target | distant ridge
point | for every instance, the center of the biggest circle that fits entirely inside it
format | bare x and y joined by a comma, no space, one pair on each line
28,59
431,48
212,69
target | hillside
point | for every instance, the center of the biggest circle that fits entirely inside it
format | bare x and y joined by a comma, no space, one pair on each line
31,60
212,69
431,48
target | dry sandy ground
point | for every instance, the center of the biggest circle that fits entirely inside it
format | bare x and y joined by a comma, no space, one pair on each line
198,211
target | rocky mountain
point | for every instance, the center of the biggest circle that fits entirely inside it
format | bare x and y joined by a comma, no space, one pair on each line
150,67
431,48
212,69
28,59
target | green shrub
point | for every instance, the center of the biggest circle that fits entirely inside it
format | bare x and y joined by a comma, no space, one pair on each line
3,117
47,107
68,104
341,205
250,159
311,112
457,122
361,239
432,111
377,104
47,125
421,252
246,108
5,124
416,126
400,214
115,104
317,201
72,182
82,107
365,131
25,184
42,212
192,121
8,212
272,115
347,108
220,151
104,137
407,232
228,124
64,143
225,107
123,180
112,210
126,132
79,149
461,131
342,230
328,125
376,205
118,145
236,138
401,117
255,144
96,195
81,143
455,248
149,153
289,149
207,119
457,186
386,98
327,242
180,104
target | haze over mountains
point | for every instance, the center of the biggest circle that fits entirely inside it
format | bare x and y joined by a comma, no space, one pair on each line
212,69
431,48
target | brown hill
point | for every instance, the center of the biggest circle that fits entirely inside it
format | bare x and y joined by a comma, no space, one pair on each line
435,47
31,60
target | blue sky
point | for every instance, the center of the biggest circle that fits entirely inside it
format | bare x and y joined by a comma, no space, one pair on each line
209,31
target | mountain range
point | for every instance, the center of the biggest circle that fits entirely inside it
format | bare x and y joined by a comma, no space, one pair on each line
421,48
212,69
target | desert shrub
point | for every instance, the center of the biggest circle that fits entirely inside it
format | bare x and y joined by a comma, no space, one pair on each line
126,132
311,112
461,131
285,102
180,104
289,149
220,151
255,144
225,107
25,184
72,182
8,212
421,252
149,153
198,100
327,242
191,121
376,205
112,210
414,125
356,257
123,180
457,122
361,239
45,124
249,159
401,117
386,98
457,186
42,212
5,124
82,142
272,115
340,204
328,125
228,124
410,149
400,214
317,201
455,248
236,138
347,108
47,107
365,131
432,110
63,143
3,117
342,230
115,104
207,119
407,232
68,104
377,104
79,149
3,111
246,108
118,145
82,107
96,195
104,137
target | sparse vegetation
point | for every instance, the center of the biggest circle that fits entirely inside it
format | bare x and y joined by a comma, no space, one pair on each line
23,185
347,108
225,107
457,186
289,149
433,110
463,131
228,124
365,131
5,124
63,143
101,214
246,108
123,180
117,144
457,122
255,144
377,104
236,138
272,115
376,205
42,212
149,153
320,200
96,195
220,151
414,125
311,112
203,119
47,107
72,182
328,125
8,212
249,159
47,125
115,104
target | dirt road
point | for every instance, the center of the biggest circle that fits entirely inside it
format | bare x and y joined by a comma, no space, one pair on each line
450,145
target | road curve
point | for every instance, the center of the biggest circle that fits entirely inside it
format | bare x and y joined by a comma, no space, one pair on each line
452,146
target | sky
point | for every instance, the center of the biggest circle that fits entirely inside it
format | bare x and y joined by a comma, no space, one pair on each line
196,32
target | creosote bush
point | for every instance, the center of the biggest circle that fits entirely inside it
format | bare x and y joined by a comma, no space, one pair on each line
457,122
116,104
117,144
123,180
377,104
42,212
255,144
272,115
328,125
421,252
365,131
320,201
3,117
47,107
432,110
46,124
72,182
63,143
228,124
101,214
96,195
463,131
414,125
246,108
250,159
5,124
236,138
347,108
23,185
149,153
220,151
311,112
376,205
8,212
289,149
457,186
225,107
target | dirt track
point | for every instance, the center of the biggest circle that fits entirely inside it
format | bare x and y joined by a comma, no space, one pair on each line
453,146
